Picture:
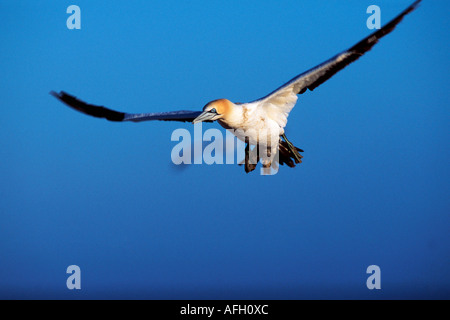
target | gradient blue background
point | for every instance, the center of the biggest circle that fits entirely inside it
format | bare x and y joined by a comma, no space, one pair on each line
373,187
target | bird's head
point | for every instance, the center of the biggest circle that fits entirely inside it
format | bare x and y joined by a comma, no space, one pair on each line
215,110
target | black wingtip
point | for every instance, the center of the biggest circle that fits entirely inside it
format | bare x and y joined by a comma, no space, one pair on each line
89,109
53,93
412,7
416,3
61,95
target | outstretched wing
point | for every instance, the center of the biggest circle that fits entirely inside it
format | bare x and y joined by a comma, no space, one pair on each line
112,115
285,97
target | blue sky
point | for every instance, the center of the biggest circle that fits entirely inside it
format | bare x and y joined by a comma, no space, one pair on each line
373,187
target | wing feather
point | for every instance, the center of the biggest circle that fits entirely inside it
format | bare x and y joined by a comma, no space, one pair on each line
285,96
112,115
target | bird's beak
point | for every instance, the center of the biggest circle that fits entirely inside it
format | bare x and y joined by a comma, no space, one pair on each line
205,116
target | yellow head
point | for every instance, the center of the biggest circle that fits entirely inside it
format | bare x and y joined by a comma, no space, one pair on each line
215,110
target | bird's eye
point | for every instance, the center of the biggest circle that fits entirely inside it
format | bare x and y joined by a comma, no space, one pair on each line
213,110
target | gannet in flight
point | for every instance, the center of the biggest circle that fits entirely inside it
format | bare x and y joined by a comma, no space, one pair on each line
258,121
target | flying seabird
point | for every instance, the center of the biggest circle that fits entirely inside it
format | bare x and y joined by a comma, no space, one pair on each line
259,121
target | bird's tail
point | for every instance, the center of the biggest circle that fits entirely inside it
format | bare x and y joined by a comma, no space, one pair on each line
288,154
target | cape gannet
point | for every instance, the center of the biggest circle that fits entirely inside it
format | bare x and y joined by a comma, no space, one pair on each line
259,121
